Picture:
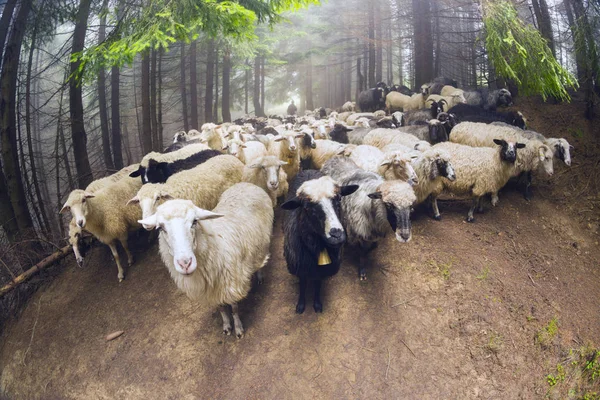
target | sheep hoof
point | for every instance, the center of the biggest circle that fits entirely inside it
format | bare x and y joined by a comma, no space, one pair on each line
121,280
318,307
300,308
80,262
437,217
227,330
239,333
362,276
130,262
470,219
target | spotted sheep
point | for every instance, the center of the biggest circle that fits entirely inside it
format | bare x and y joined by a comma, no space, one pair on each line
212,255
313,232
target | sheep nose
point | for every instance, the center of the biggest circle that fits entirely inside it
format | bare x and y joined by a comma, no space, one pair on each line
313,145
80,223
336,233
185,263
274,184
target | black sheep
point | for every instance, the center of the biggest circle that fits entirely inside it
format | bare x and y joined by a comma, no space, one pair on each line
402,89
466,112
179,145
371,100
159,172
313,233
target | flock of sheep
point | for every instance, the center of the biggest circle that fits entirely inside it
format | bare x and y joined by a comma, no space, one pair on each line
345,177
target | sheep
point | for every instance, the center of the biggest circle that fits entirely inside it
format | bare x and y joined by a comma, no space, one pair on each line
179,137
562,148
379,114
366,214
471,113
343,116
180,154
160,171
212,255
351,120
447,102
104,215
489,100
349,106
433,132
306,144
402,89
479,171
534,155
398,119
395,101
449,90
371,99
431,167
74,230
419,117
390,165
266,173
180,145
382,137
324,151
313,233
285,148
250,151
352,135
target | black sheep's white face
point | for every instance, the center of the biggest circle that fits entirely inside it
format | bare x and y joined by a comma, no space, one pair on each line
320,200
509,150
504,98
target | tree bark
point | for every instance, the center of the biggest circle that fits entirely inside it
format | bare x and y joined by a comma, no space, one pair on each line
216,109
371,32
309,84
153,117
7,14
262,85
78,134
108,162
423,42
256,95
359,78
8,134
194,85
542,15
225,105
183,89
159,116
378,43
115,114
246,84
210,80
146,133
438,41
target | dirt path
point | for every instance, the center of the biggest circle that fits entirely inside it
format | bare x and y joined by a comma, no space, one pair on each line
462,311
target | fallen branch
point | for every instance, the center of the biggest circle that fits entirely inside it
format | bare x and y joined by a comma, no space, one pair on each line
51,259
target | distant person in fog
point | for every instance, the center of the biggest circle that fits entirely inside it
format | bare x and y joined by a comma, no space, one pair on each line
292,109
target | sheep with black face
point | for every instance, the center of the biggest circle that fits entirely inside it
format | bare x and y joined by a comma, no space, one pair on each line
313,232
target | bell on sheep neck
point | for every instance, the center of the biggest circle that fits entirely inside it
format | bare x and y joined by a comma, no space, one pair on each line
324,258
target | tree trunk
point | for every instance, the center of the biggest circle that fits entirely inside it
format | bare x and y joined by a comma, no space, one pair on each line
194,85
108,162
146,134
7,215
542,15
7,13
262,86
371,66
359,78
210,80
116,117
225,106
256,94
423,42
34,173
183,89
216,109
309,84
153,118
438,42
159,121
8,84
78,134
246,85
378,43
60,132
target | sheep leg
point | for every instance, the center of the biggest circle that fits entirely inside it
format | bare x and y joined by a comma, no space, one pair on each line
476,201
495,199
436,210
366,248
237,322
301,297
260,277
226,321
115,253
480,206
78,255
318,306
129,256
527,192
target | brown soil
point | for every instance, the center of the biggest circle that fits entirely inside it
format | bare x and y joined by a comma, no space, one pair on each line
462,311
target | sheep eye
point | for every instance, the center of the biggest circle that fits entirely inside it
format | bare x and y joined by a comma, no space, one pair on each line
83,200
194,223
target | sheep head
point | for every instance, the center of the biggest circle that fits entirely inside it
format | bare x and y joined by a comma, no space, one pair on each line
77,204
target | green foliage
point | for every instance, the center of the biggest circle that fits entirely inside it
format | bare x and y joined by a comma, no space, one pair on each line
520,53
545,336
163,22
576,376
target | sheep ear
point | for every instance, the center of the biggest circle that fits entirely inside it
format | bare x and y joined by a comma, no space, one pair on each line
278,139
134,200
541,154
88,195
149,221
243,146
385,162
283,162
499,142
135,174
202,214
64,209
375,195
299,136
348,189
341,151
571,147
292,204
414,157
225,147
165,196
255,164
520,145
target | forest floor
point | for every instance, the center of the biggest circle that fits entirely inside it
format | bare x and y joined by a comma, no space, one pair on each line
505,308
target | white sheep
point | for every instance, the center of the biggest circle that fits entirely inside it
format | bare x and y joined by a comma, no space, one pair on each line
381,137
396,101
479,171
432,166
349,106
212,256
393,165
285,148
351,120
267,173
449,90
325,150
448,101
104,215
203,185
